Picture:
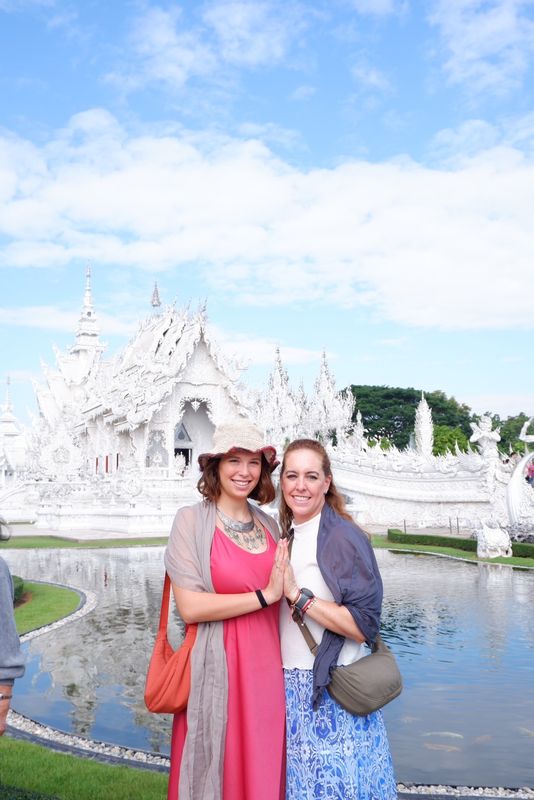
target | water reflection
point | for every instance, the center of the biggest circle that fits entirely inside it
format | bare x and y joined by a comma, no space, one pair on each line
463,633
465,638
88,678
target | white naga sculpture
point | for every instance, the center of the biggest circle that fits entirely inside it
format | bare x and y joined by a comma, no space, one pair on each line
493,543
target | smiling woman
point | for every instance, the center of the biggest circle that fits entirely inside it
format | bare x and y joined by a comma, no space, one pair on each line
346,755
227,575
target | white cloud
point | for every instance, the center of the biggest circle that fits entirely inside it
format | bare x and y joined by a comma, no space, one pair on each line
161,51
303,92
488,44
370,78
163,47
445,247
506,405
400,341
261,351
252,34
13,6
270,132
378,7
456,147
52,318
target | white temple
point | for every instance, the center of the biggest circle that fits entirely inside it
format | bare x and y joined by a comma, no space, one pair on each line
12,444
116,442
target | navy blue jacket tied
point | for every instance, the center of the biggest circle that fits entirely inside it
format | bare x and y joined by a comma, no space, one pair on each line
348,566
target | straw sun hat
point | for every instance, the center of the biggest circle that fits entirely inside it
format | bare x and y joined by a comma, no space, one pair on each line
240,434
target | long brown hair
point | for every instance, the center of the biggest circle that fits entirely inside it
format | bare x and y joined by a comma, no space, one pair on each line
333,497
209,484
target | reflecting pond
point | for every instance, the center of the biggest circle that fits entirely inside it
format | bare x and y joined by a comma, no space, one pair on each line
463,635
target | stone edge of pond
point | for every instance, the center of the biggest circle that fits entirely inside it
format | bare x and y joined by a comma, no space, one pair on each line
456,558
25,728
432,791
87,603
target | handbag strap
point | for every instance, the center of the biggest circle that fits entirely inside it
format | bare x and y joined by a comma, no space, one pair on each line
165,598
308,635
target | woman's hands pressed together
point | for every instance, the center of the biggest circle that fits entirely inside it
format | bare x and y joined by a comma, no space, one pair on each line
275,588
291,588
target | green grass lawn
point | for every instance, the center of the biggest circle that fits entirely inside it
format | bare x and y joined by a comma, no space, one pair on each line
46,604
29,542
383,542
38,769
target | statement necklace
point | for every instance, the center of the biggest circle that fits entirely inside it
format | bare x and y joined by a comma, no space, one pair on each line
235,524
247,535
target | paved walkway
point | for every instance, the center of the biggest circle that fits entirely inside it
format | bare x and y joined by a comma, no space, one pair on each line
27,529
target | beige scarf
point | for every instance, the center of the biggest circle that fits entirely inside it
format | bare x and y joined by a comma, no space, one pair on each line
187,560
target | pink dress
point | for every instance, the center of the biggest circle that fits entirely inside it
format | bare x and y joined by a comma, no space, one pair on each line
254,758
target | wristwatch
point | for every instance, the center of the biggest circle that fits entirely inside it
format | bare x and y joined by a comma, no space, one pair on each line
304,601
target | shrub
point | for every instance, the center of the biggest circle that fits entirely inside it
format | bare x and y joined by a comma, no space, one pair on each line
523,549
18,586
427,538
12,793
519,549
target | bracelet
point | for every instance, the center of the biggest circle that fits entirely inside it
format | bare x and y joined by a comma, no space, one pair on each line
292,604
5,696
261,598
308,605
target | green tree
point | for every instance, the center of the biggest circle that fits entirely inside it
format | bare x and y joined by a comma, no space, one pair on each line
446,439
510,430
390,411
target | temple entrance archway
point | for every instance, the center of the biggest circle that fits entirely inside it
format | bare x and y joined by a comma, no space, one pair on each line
194,433
183,444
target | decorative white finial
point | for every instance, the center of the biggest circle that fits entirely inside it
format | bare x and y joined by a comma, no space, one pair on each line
88,297
156,302
8,404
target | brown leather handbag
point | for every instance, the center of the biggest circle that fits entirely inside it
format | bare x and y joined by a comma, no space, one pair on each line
168,680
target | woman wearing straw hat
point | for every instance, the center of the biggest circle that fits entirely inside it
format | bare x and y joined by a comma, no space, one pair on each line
227,573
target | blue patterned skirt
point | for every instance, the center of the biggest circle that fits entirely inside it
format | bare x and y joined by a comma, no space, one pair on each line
331,753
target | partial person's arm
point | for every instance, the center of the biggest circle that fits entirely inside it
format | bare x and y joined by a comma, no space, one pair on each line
326,612
211,607
5,689
11,658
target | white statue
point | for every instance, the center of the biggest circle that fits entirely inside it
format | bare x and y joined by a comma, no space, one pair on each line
485,437
493,543
179,464
523,436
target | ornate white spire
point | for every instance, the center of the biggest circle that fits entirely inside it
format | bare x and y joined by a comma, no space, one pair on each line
329,411
8,421
155,301
277,411
87,330
301,400
424,428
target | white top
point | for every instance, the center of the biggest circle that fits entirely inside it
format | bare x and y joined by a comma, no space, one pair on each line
295,652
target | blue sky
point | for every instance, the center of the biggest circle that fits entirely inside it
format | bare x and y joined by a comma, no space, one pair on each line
350,175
